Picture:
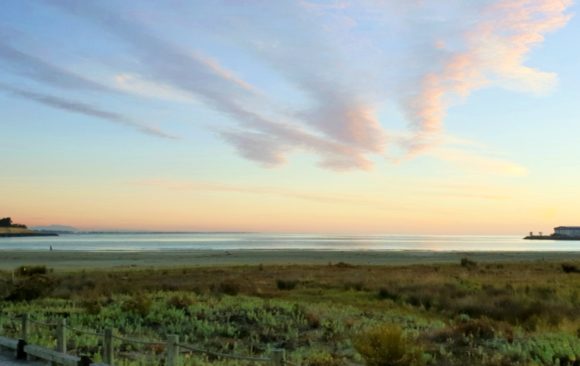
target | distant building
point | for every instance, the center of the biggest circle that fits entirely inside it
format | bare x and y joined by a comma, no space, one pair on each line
567,231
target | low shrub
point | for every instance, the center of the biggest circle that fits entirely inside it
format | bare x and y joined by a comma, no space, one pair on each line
286,284
313,320
387,294
92,306
31,288
486,329
322,359
139,305
229,287
570,268
468,263
27,271
357,286
387,345
180,301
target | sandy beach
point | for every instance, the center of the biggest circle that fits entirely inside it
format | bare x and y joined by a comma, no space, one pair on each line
202,258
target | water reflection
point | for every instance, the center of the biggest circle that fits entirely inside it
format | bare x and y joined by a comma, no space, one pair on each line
232,241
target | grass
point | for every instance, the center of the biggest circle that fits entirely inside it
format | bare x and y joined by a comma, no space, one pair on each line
388,345
20,231
14,230
466,313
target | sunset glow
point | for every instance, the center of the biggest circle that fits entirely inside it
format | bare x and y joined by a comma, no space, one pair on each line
291,116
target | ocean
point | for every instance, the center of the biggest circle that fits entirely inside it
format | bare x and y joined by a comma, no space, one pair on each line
263,241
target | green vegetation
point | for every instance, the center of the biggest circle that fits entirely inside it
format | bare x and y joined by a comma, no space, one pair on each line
14,231
8,228
463,314
7,222
387,345
17,232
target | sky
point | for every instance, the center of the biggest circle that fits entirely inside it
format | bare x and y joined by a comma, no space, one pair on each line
367,116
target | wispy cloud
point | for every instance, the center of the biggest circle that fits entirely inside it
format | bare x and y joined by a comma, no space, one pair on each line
137,85
224,73
347,60
462,190
336,199
296,41
478,162
261,138
46,73
465,154
39,70
83,109
490,52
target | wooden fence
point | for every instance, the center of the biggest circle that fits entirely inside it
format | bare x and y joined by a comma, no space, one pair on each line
59,356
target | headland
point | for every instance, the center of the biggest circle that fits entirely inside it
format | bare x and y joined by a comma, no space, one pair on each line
10,229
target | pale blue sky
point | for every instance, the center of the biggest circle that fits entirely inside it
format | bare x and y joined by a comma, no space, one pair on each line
322,107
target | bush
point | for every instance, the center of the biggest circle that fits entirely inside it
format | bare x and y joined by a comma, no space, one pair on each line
139,305
387,294
468,263
92,306
484,329
387,345
570,268
231,288
181,302
313,320
31,288
286,284
474,329
6,288
357,286
516,310
322,359
26,271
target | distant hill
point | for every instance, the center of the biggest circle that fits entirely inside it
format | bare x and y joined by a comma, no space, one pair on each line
56,228
10,229
6,232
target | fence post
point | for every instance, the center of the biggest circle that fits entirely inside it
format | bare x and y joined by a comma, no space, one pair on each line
24,331
61,336
108,346
25,327
278,357
172,350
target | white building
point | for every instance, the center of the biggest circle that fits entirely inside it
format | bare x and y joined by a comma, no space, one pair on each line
567,231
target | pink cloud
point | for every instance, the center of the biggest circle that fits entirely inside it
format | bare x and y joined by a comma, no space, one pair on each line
494,53
346,60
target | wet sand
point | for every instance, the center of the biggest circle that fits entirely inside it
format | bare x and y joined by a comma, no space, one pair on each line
73,260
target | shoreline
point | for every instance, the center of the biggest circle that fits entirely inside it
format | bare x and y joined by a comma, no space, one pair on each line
16,232
72,260
25,235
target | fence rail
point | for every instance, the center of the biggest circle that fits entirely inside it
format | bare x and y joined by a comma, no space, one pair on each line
59,356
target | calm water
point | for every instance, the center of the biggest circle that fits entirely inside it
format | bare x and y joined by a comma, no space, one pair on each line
231,241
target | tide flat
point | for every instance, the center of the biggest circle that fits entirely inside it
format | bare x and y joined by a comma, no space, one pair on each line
10,259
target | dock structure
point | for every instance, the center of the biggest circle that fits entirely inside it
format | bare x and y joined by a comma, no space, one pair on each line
560,233
570,231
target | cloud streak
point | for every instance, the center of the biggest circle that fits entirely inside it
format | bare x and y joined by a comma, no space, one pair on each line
479,163
41,71
84,109
260,138
492,52
345,61
340,199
